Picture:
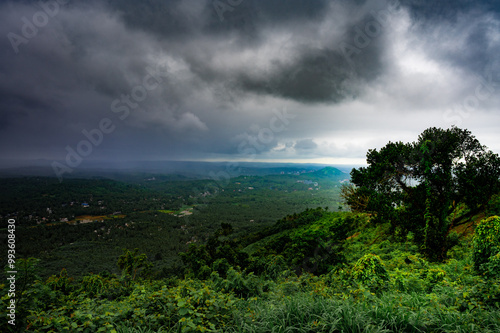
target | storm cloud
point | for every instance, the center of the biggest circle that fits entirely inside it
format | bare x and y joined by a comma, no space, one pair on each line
209,80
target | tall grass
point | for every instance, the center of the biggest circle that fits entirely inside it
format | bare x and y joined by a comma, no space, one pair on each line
392,312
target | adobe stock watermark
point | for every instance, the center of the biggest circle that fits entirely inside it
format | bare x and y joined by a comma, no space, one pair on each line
122,106
253,143
372,29
329,64
483,91
233,15
222,6
12,272
324,251
30,27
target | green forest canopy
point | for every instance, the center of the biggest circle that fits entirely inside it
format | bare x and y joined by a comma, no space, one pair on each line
416,186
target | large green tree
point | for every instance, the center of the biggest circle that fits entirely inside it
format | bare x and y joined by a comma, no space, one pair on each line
416,186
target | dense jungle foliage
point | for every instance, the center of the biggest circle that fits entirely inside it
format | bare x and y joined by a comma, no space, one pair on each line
417,252
316,271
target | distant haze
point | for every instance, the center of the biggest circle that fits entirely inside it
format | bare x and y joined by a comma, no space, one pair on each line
174,170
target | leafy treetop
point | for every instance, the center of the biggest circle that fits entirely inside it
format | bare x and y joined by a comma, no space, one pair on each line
416,186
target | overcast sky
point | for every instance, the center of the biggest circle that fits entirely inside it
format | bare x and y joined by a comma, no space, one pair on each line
295,80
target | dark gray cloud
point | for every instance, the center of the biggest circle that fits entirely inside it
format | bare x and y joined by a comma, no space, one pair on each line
181,19
469,27
208,79
428,11
305,144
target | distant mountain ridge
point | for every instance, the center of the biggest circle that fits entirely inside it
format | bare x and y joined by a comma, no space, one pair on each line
330,172
190,169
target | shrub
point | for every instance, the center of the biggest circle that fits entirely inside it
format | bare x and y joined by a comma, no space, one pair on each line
370,270
405,281
492,267
486,242
191,306
96,285
240,284
134,264
432,276
274,267
493,207
60,283
221,266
